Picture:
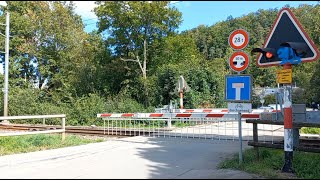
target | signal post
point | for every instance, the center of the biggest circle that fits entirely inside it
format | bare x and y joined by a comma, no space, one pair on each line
287,44
288,127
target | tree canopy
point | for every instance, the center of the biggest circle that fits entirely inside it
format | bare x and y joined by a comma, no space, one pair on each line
56,65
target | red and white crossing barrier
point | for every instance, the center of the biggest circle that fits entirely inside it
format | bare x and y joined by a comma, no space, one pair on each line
178,115
201,110
215,110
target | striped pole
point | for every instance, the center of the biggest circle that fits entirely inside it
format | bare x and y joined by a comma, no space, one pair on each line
288,131
181,100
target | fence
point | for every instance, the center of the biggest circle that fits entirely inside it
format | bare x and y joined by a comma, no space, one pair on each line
43,117
220,126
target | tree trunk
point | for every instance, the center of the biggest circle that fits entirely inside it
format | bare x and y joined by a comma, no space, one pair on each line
144,59
144,73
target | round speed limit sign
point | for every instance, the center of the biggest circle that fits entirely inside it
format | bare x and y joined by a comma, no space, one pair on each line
238,39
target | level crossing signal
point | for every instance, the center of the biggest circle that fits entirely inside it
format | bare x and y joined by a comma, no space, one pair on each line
287,42
288,52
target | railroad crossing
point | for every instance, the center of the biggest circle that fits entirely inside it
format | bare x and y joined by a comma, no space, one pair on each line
160,149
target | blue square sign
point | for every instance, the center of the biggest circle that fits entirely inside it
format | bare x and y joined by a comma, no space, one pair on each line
238,88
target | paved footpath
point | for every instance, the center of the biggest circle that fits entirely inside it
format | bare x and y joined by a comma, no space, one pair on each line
128,158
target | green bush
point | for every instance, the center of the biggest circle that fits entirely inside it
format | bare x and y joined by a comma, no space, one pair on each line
122,104
22,102
79,111
84,110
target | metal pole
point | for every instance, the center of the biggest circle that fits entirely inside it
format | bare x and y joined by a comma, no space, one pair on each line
277,105
6,77
63,124
240,138
171,111
288,132
240,135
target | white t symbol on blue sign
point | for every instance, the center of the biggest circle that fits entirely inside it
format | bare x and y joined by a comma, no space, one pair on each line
238,87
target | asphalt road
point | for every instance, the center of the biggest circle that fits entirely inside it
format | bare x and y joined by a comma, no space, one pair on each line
128,158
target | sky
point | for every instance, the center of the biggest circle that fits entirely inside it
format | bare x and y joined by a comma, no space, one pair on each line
195,13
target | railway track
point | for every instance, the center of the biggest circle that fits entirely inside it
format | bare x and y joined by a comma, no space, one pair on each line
305,144
101,131
27,127
80,130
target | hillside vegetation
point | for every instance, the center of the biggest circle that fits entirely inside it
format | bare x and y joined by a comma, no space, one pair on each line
133,61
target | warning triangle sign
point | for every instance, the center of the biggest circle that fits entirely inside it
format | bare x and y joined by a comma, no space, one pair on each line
287,28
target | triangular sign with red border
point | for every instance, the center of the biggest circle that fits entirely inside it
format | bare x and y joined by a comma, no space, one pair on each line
287,28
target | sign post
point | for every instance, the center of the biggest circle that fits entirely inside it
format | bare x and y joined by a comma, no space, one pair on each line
182,87
288,131
240,137
238,92
238,87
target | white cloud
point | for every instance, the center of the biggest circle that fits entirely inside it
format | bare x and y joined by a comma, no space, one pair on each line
85,9
3,3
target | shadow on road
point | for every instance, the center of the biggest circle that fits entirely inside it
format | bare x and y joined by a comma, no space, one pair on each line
170,157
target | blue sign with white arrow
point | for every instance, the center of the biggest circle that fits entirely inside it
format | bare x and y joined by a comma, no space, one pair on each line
238,88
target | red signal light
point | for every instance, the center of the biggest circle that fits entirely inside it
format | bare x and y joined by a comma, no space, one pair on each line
269,55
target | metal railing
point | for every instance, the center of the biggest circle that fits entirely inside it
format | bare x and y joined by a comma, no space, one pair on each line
62,130
220,128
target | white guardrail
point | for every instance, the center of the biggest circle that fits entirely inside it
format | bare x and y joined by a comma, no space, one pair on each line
62,130
220,125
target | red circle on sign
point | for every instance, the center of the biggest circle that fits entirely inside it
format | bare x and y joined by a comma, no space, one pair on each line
237,57
238,39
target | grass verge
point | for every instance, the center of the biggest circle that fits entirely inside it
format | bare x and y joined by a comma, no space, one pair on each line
30,143
310,130
305,164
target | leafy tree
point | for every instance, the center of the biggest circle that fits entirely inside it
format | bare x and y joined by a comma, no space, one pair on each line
50,49
166,83
73,69
134,26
